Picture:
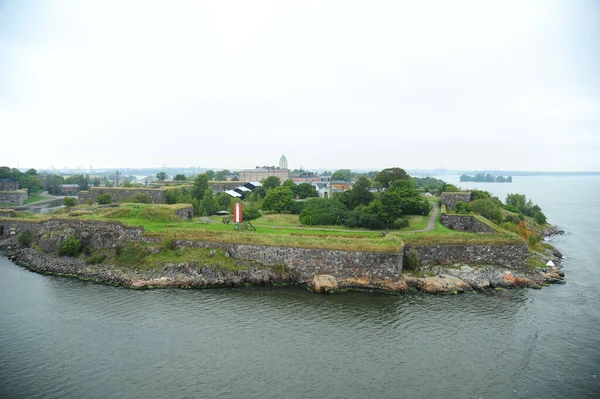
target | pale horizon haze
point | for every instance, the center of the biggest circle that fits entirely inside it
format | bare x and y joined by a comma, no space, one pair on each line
473,85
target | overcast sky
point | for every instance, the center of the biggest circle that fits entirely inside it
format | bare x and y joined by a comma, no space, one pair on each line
511,85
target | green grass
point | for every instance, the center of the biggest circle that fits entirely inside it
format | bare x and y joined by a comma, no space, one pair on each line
37,198
139,256
279,230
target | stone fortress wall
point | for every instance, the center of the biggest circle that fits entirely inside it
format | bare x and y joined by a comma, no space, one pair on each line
450,199
13,197
118,194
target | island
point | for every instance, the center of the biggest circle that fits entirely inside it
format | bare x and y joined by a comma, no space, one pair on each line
485,178
381,234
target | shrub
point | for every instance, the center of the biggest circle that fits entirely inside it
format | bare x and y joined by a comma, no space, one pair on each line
118,250
26,238
104,199
321,211
462,208
251,213
90,202
69,201
87,251
413,259
70,247
95,259
512,218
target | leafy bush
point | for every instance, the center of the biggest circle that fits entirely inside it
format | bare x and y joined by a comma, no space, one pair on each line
512,218
251,213
69,201
321,211
118,250
95,259
70,247
279,199
26,238
462,208
413,259
104,199
90,202
487,208
87,251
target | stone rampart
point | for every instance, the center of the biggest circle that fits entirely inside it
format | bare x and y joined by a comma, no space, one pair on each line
465,223
51,233
504,255
450,199
7,213
118,194
13,197
307,262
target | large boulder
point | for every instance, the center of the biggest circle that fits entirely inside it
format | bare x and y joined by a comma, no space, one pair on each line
324,283
443,283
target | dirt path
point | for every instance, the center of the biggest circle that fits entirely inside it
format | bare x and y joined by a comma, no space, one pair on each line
432,218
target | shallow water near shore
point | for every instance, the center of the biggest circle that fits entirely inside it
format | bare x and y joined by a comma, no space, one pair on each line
64,338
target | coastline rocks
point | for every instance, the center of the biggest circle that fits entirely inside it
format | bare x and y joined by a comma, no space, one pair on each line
455,279
324,283
443,283
551,231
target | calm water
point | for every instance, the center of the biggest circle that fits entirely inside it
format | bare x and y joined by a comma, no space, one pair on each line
61,338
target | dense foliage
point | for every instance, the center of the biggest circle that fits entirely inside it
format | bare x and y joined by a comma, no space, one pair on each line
70,247
322,211
279,199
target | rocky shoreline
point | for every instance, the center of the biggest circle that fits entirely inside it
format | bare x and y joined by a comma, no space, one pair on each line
436,280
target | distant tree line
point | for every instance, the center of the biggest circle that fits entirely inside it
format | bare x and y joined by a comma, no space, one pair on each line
485,178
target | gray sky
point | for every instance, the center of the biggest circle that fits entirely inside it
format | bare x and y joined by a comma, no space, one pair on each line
510,84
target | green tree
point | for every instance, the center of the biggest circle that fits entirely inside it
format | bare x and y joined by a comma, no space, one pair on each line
162,176
361,193
386,177
321,211
223,201
271,182
539,217
210,174
342,174
179,177
305,190
199,187
208,205
221,175
279,199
